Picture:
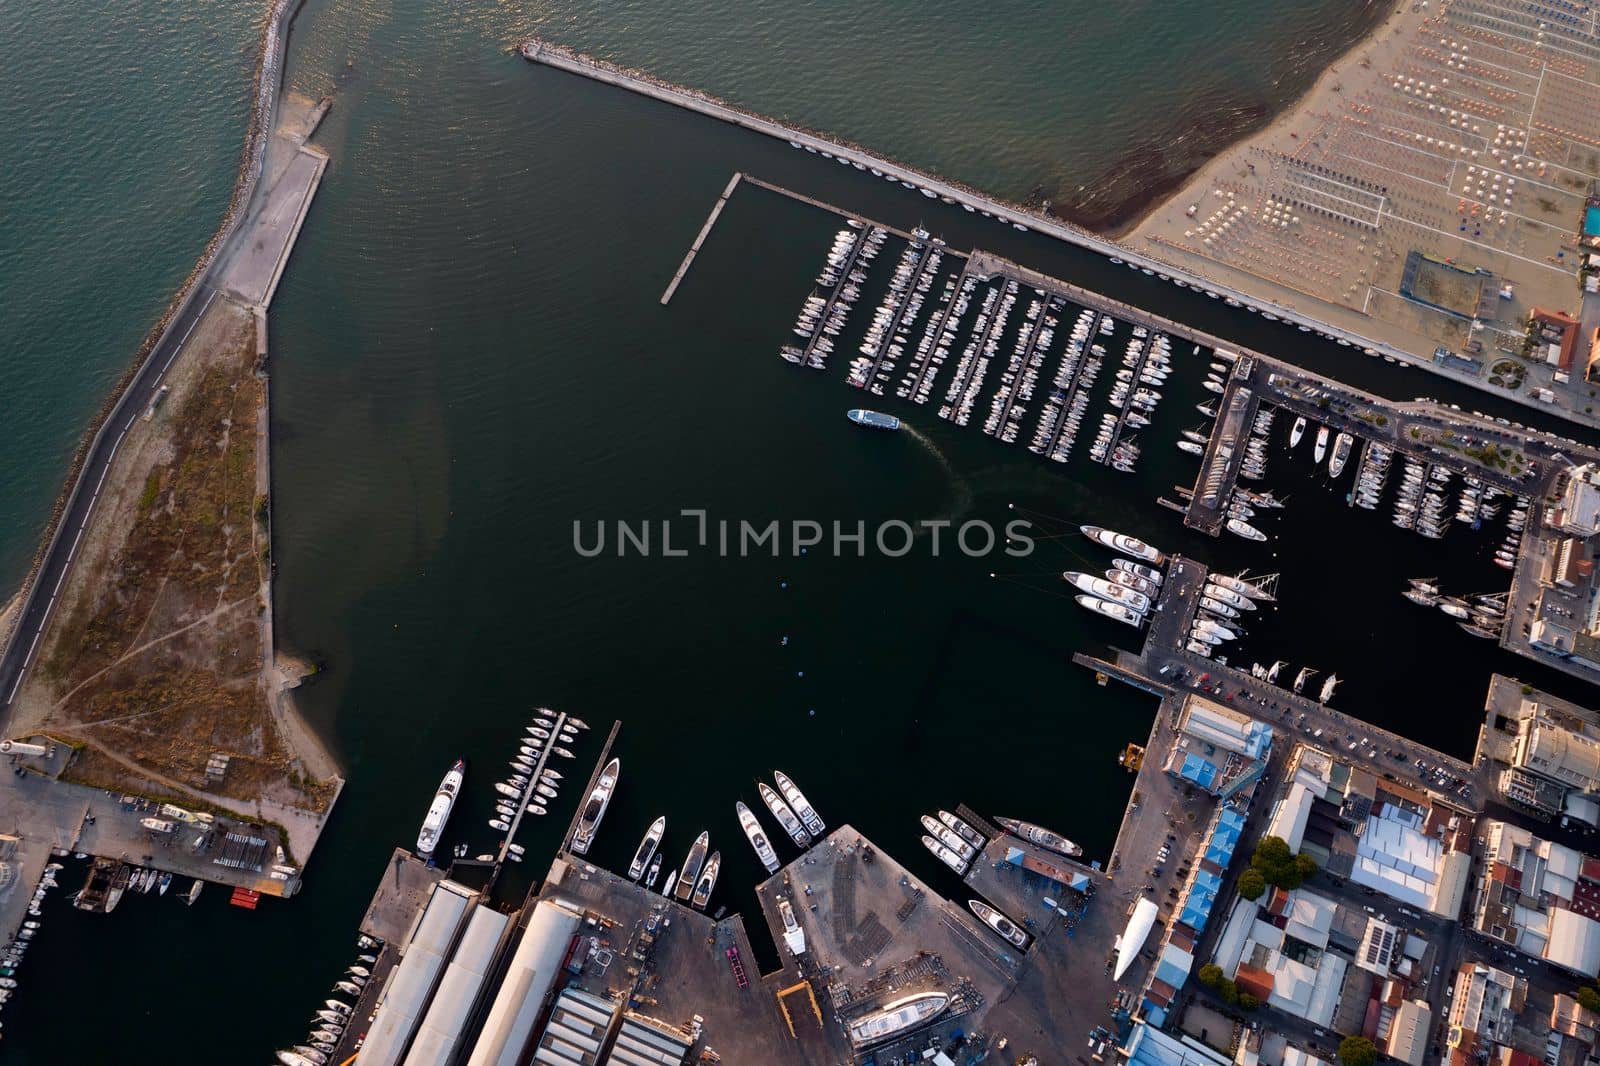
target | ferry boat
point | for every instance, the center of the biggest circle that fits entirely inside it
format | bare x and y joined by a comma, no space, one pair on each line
872,419
758,839
1298,431
691,866
814,824
1341,452
707,881
439,810
1115,611
1320,448
897,1017
647,848
1099,586
1121,542
595,809
944,854
784,814
948,837
1038,834
998,922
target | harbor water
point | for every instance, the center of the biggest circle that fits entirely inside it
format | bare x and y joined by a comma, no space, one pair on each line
470,357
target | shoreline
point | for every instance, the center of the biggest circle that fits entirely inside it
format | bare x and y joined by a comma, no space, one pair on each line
1249,292
1329,85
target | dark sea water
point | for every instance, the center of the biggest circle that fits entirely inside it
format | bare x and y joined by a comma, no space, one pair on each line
469,357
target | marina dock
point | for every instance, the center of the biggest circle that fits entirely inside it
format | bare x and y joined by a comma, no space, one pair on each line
1219,467
705,231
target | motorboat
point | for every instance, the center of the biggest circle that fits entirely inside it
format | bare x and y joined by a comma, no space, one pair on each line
1115,611
1341,452
689,876
1239,585
758,839
784,814
439,811
1217,608
1240,528
540,733
944,854
1126,545
1040,836
965,831
1327,688
896,1018
670,888
508,790
1005,927
291,1058
647,848
595,809
1099,586
948,837
654,873
797,800
349,988
1320,448
1297,431
1129,580
707,881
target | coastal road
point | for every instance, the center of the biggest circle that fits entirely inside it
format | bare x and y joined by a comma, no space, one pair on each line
39,605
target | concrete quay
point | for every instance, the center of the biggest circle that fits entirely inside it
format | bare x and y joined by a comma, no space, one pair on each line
549,54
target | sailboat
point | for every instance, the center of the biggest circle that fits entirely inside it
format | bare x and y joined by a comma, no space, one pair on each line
1327,688
1300,678
1272,671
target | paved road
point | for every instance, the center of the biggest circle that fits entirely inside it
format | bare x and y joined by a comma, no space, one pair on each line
40,604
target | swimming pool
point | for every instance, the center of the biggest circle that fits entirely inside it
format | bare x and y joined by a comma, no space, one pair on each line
1591,222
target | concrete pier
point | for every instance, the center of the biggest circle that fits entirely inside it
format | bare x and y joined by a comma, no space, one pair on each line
705,231
1219,467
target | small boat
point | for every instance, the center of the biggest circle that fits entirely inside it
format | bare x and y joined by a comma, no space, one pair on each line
550,775
785,816
1298,431
1341,452
1327,688
545,790
670,888
1039,835
311,1053
690,874
1005,927
564,753
944,854
541,734
545,722
595,809
508,790
647,848
349,988
1115,611
290,1058
1420,598
578,722
339,1006
499,825
1189,447
361,971
1455,609
164,884
1320,448
654,873
1212,385
872,419
707,881
797,800
194,892
758,840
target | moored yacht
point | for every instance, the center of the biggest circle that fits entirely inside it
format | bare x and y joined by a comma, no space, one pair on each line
897,1017
945,855
1341,452
1298,431
439,811
1320,448
784,814
1115,611
1002,925
1099,586
1121,542
797,799
707,881
595,809
647,848
690,874
1038,834
758,839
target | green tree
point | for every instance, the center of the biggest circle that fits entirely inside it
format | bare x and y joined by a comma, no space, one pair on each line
1229,992
1211,975
1271,853
1589,998
1357,1051
1306,866
1248,1002
1251,884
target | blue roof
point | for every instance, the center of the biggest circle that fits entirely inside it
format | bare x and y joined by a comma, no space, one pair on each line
1197,770
1172,975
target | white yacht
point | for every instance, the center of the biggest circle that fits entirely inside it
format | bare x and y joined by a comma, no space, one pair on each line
439,811
1298,431
647,848
758,839
595,809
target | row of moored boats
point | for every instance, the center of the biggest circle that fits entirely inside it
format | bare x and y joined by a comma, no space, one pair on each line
330,1021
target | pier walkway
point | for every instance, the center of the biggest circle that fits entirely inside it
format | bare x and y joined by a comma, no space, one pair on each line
705,231
1219,467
